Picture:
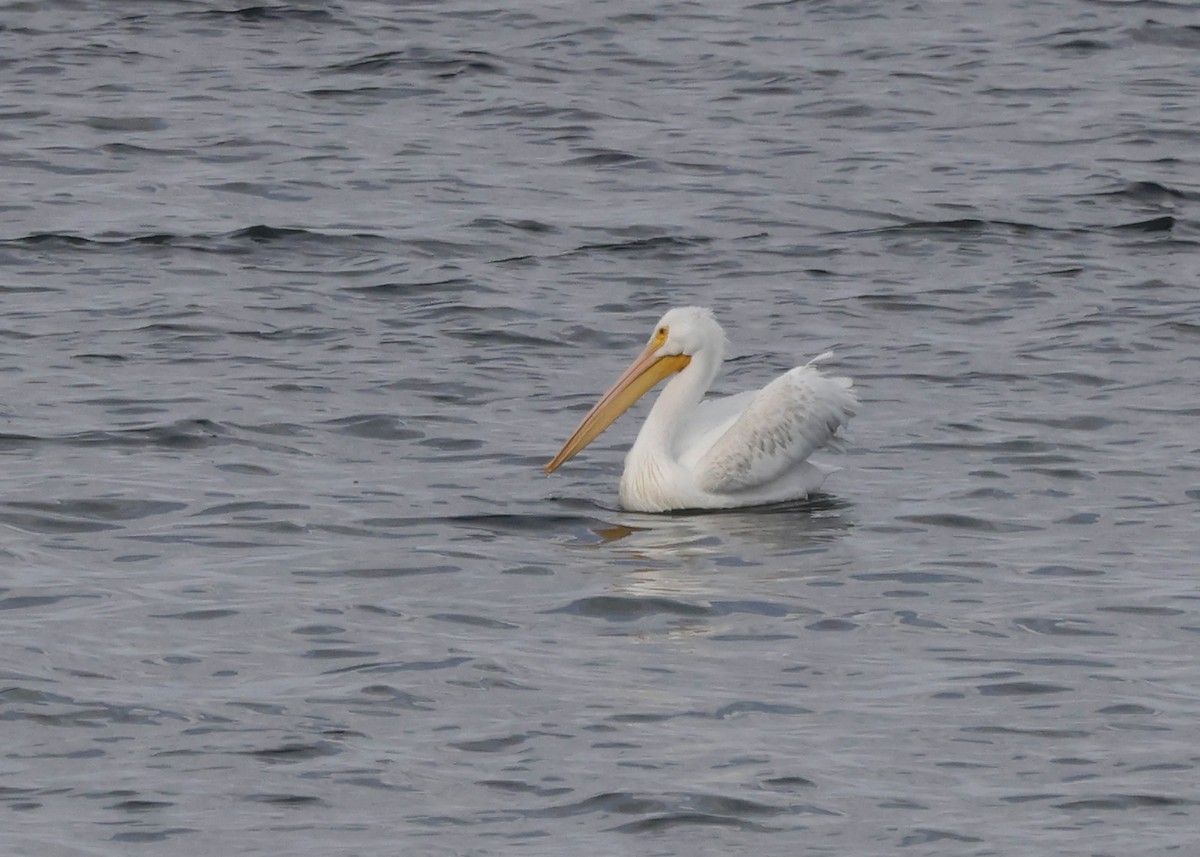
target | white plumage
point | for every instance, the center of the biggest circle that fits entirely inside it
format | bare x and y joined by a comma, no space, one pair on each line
741,450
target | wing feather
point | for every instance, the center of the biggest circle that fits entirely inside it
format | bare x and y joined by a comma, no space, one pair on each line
783,424
712,419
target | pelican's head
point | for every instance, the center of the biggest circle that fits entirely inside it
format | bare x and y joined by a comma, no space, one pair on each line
679,335
687,330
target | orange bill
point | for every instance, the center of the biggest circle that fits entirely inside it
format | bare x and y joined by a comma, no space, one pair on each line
646,371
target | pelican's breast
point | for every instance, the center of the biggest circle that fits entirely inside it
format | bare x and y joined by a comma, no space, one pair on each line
653,483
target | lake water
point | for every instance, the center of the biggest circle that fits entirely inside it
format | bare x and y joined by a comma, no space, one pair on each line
297,299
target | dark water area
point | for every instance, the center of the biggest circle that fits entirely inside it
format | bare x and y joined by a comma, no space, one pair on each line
298,298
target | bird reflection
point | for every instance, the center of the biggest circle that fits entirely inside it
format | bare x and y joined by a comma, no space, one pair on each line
733,537
701,559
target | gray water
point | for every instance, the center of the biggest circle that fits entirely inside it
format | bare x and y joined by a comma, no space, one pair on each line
297,300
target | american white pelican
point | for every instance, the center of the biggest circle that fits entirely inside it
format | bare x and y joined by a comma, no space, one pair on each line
742,450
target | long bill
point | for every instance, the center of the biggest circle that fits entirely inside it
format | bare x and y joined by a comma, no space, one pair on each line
646,371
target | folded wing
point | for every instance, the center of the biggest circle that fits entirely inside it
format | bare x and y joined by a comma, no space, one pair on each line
781,426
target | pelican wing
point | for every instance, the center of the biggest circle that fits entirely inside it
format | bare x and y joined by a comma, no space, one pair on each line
713,417
781,426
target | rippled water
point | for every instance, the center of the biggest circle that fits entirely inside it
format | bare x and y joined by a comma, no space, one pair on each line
298,298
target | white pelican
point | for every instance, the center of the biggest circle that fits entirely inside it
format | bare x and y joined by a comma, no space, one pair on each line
742,450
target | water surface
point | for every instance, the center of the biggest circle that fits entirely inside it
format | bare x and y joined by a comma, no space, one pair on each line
297,299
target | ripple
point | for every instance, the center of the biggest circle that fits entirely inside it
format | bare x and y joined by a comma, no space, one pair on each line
620,608
139,806
491,745
295,752
1059,627
475,621
661,823
198,615
1055,734
285,800
143,836
1117,802
960,521
1020,688
375,426
102,509
925,836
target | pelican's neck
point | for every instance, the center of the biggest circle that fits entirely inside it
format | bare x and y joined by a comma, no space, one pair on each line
676,405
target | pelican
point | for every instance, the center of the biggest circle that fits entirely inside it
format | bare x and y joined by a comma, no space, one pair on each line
742,450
